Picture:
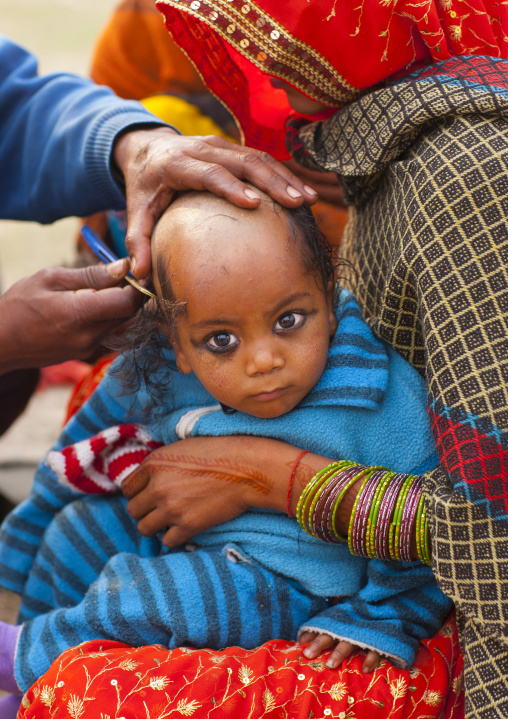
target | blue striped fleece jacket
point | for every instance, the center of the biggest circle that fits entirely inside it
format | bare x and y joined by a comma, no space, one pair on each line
85,572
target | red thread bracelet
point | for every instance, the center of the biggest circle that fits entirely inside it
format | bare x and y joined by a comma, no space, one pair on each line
292,479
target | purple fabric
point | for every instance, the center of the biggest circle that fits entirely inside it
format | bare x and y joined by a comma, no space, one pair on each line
8,638
9,706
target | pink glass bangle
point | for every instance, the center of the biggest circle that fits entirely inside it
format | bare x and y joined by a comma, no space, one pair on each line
408,517
385,516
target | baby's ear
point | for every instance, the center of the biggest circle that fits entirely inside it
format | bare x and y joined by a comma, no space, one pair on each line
181,360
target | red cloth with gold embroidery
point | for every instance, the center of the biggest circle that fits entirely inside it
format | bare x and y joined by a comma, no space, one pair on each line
328,49
110,679
86,386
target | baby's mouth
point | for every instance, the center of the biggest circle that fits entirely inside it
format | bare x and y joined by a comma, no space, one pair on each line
272,394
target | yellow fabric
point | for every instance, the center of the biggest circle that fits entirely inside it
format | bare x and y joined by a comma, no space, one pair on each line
183,115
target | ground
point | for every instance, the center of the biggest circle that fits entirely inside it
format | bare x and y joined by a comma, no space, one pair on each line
61,33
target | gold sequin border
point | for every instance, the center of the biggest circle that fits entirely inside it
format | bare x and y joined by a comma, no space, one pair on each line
265,42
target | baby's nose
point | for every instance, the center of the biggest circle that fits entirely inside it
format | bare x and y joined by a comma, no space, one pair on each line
264,359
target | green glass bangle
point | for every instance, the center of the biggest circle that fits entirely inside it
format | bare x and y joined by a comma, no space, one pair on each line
417,529
307,496
422,547
307,492
397,517
325,479
400,510
377,500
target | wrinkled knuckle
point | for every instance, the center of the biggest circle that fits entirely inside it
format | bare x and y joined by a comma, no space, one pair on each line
252,159
90,277
266,158
214,171
82,314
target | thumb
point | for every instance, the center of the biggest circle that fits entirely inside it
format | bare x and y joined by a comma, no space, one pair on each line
137,241
94,277
141,219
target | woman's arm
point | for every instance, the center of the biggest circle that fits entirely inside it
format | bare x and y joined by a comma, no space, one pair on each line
197,483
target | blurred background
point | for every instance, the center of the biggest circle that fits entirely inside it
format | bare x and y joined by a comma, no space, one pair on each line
62,34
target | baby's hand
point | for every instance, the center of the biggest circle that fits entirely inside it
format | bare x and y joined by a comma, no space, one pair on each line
321,642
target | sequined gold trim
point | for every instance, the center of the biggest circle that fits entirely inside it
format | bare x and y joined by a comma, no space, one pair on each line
266,43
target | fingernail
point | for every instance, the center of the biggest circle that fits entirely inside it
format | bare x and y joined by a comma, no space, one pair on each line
309,190
133,265
116,269
330,665
252,195
293,193
307,653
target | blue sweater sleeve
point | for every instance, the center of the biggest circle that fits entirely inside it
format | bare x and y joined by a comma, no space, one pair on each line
400,604
22,530
56,139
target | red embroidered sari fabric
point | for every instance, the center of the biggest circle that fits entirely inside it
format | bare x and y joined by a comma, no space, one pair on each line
109,679
330,50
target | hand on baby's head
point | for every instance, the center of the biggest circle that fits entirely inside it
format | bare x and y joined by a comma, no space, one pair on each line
255,292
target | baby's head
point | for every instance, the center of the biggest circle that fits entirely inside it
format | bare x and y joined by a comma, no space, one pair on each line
247,297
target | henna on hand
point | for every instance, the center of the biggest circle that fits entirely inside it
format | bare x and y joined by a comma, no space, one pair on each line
194,466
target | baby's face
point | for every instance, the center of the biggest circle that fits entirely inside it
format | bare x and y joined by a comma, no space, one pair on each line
256,326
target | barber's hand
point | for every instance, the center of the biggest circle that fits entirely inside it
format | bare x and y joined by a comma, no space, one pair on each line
60,314
157,162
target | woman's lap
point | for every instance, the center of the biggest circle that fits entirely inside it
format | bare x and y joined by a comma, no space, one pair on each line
274,679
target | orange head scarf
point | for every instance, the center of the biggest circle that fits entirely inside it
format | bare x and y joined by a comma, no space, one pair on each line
331,50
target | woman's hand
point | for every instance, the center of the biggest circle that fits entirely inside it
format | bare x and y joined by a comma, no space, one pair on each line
197,483
322,642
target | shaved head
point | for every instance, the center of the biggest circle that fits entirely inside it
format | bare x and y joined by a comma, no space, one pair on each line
199,229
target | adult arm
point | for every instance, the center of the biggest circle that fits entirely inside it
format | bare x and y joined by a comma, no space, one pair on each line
65,144
56,142
230,474
69,147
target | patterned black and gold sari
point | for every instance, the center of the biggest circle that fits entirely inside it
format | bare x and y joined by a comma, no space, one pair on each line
424,164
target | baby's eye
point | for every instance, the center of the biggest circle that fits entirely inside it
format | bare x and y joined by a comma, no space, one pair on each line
289,321
222,341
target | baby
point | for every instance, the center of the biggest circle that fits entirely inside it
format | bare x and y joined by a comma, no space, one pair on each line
264,347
